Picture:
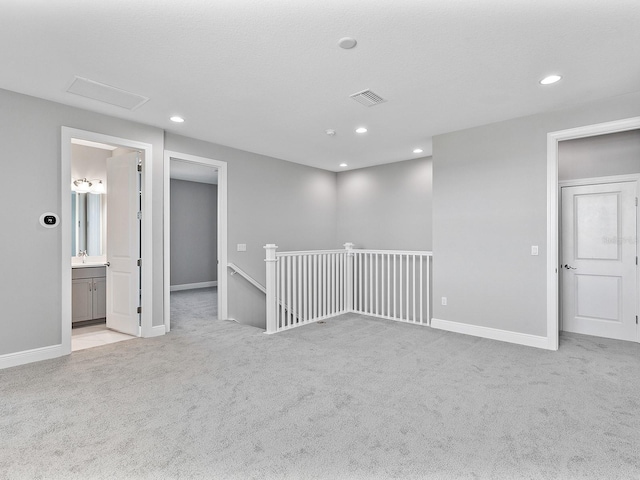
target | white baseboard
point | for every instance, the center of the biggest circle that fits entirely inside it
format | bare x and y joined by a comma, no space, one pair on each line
492,333
193,286
29,356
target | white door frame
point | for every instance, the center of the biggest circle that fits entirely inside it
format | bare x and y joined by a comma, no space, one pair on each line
222,230
68,133
553,287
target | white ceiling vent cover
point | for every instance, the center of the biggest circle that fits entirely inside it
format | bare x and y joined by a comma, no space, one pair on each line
106,93
367,98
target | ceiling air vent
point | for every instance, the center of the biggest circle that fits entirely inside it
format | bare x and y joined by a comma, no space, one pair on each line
367,98
106,93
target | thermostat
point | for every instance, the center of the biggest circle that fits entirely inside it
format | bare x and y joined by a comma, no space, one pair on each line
49,220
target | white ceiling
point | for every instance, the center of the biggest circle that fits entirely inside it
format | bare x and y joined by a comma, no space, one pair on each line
268,77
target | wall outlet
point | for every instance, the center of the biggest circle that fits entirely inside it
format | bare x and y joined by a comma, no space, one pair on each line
444,301
242,247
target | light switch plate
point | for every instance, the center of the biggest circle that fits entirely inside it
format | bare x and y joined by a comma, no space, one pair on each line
534,249
242,247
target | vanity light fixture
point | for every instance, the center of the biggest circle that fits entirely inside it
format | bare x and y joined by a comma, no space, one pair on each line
97,187
177,119
82,185
550,79
361,130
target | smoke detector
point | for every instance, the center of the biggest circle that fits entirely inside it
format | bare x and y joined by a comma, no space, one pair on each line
347,43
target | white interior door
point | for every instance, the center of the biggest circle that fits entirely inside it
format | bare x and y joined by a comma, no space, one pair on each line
123,244
599,260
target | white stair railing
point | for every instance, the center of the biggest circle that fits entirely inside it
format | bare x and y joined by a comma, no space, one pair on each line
392,284
305,287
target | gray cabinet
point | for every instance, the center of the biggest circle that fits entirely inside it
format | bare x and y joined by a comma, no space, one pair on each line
88,293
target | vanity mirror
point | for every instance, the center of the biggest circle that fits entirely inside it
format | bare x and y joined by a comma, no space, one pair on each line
87,224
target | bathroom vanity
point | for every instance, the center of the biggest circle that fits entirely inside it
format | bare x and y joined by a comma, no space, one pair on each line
88,292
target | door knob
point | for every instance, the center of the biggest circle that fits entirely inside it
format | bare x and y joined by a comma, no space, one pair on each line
569,267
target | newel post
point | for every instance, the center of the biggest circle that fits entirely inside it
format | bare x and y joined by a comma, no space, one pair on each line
349,249
272,301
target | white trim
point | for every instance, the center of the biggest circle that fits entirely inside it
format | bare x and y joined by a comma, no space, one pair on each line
29,356
193,286
156,331
493,333
222,231
579,182
553,138
67,133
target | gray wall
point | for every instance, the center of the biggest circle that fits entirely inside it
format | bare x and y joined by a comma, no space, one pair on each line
31,255
269,201
194,232
490,207
387,206
599,156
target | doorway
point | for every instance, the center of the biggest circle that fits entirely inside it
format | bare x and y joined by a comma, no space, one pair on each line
207,171
130,285
553,215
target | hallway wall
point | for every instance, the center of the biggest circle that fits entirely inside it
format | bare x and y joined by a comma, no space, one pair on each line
194,232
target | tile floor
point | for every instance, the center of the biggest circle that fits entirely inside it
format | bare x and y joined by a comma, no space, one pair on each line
95,336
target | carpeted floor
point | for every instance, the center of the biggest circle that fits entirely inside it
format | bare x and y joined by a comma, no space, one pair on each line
353,398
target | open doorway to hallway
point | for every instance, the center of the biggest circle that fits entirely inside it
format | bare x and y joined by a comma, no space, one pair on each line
195,238
193,199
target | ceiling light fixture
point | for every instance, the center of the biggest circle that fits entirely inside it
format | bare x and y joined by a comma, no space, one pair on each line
330,132
418,150
343,165
361,130
177,119
347,43
550,79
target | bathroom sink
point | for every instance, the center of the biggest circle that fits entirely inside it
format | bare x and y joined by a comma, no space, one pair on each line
91,262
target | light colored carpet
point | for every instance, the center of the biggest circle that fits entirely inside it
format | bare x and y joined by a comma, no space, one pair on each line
354,398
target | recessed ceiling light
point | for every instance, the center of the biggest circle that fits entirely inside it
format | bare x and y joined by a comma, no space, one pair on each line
343,165
418,150
347,43
361,130
550,79
177,119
